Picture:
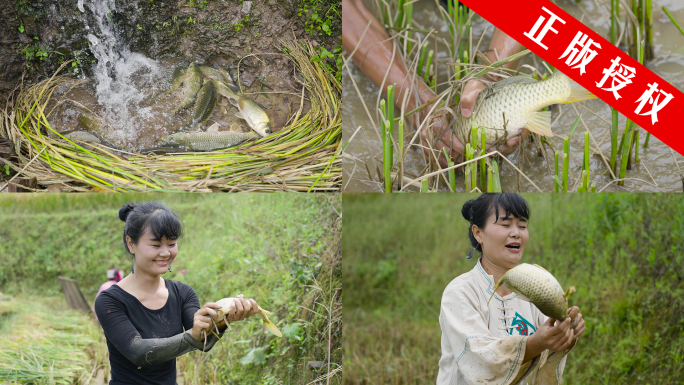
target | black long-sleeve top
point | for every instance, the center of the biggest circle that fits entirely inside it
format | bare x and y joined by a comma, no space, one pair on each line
143,344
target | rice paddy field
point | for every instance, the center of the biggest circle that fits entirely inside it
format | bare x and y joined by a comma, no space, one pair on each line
282,251
623,253
444,46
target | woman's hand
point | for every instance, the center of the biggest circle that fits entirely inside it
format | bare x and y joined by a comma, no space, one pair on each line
243,309
201,320
555,337
577,321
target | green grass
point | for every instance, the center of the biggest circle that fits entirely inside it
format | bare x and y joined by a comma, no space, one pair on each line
623,253
281,250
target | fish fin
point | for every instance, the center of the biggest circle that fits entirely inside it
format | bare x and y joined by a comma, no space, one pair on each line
519,79
540,123
213,128
240,115
540,267
577,92
570,290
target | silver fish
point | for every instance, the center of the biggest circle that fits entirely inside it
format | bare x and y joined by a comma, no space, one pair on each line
207,141
520,99
249,110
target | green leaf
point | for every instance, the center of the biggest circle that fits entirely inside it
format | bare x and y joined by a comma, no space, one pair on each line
293,331
255,356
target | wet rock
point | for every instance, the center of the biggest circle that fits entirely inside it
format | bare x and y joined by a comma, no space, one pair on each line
29,26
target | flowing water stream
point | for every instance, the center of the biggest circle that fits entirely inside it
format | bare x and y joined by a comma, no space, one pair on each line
657,171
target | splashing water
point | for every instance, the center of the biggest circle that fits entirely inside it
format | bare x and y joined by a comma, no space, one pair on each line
121,75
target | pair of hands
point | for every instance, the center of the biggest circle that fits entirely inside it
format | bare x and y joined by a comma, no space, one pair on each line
448,138
561,336
243,309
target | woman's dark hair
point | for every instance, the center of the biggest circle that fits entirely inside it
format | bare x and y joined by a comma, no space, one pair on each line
161,221
476,211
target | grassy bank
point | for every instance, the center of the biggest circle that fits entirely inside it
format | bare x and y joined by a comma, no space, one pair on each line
623,253
282,251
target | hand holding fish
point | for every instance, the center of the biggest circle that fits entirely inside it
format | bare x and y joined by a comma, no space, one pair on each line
553,336
243,308
450,141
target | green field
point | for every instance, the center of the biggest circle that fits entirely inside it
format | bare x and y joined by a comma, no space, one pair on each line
623,253
282,250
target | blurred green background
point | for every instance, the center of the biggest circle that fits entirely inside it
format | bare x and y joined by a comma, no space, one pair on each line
623,253
282,250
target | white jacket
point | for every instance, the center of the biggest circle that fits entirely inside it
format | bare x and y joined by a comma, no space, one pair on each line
486,344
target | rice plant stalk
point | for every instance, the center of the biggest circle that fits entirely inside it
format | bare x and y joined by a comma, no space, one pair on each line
497,179
556,184
614,4
636,148
490,180
421,60
649,29
585,165
390,117
613,139
625,154
386,155
673,20
451,173
426,76
566,168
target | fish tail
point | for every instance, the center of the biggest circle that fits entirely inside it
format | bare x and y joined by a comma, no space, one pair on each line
268,324
577,92
494,290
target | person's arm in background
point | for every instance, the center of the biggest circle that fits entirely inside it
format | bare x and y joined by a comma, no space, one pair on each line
374,56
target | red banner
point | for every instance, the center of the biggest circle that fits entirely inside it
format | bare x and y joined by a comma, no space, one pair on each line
590,60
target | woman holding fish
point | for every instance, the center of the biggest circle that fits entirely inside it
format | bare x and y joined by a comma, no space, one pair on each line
149,320
507,340
374,55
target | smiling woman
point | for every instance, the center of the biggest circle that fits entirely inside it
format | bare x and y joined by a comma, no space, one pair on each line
148,320
507,340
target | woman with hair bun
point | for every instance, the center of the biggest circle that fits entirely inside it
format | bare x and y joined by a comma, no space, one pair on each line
508,341
149,320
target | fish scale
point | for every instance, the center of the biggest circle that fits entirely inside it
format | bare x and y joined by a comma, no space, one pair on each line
521,98
534,284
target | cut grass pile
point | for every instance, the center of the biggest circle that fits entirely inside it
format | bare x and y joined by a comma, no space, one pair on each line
42,342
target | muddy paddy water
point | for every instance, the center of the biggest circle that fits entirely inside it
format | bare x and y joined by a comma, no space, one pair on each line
658,170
